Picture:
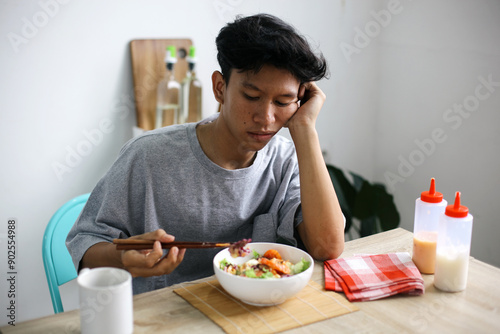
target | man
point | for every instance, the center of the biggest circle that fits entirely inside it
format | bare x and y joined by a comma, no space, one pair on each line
228,177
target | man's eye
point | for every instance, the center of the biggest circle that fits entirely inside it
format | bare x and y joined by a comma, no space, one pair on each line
281,104
251,98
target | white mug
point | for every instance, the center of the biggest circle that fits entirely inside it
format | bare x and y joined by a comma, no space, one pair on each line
105,301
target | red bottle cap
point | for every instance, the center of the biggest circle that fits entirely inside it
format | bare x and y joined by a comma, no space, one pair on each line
456,210
431,196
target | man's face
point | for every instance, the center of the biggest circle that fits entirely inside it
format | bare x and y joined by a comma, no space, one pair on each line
257,105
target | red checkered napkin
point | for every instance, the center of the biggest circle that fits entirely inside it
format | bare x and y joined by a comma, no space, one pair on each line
370,277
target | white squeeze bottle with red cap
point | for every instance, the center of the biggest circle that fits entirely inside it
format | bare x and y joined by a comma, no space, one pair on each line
453,247
428,208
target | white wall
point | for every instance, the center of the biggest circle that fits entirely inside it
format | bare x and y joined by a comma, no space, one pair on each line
433,55
69,73
73,73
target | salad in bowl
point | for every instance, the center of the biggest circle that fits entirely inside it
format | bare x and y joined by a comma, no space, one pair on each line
268,265
267,273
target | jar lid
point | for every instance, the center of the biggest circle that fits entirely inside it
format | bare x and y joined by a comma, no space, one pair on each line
456,210
431,196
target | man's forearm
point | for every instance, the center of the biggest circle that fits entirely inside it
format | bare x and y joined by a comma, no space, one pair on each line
102,254
322,228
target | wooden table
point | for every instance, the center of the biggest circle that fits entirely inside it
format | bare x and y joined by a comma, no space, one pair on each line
475,310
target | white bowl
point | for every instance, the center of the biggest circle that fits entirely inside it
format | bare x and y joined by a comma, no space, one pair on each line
263,292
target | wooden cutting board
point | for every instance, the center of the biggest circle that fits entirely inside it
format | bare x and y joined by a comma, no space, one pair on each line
148,68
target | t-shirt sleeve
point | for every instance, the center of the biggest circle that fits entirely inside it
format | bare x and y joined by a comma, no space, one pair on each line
108,213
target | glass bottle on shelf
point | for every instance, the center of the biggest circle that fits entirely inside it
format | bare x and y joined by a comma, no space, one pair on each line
168,93
191,91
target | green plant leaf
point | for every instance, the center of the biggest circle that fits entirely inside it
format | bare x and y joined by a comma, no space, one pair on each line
346,194
365,204
340,182
370,203
386,210
368,226
358,181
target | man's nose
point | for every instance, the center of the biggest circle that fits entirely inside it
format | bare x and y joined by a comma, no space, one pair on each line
266,113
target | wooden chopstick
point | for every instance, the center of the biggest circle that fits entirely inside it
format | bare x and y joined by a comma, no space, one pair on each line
137,244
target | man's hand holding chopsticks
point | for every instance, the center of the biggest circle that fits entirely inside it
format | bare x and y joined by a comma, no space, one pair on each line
145,263
151,262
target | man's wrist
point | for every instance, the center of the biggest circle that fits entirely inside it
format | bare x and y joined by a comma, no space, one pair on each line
302,131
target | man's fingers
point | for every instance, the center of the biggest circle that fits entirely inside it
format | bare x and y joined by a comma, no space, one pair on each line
176,256
164,266
180,257
159,234
152,264
147,258
155,255
170,261
302,91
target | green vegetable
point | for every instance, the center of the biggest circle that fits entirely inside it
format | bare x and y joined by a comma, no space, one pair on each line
251,274
267,275
294,268
300,266
255,255
223,264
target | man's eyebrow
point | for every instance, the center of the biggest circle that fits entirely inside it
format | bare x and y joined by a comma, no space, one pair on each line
251,86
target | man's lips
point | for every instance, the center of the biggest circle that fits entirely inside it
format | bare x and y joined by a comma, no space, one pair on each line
261,135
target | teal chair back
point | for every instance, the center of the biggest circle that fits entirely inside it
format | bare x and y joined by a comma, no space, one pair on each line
57,262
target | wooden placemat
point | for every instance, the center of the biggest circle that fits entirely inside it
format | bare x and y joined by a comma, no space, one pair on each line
310,305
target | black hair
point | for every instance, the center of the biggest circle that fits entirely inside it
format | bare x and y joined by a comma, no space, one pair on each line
251,42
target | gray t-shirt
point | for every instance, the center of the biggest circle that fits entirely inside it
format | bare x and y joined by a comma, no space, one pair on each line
163,179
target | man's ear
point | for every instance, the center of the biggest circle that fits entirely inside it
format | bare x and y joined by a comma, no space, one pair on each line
218,86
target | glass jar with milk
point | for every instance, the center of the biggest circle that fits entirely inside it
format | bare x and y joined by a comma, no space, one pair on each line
453,247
